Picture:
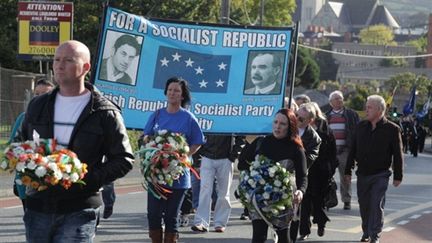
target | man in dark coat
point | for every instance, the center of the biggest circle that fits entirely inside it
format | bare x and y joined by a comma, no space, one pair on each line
376,147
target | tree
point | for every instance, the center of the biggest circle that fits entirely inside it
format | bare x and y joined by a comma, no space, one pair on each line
377,35
87,21
88,15
9,38
327,63
328,86
307,70
276,12
405,81
421,45
394,62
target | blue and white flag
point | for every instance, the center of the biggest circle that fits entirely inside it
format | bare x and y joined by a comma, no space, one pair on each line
205,73
237,74
424,111
411,102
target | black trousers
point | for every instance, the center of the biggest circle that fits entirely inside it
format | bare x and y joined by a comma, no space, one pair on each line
371,192
259,232
312,205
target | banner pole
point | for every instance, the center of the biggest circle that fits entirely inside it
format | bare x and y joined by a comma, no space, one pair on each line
99,42
293,63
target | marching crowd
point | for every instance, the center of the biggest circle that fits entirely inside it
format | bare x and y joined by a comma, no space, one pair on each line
309,143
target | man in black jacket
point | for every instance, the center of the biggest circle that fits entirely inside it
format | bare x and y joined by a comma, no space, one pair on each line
376,147
80,118
311,142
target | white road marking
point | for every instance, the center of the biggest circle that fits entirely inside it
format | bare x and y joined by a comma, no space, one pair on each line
403,222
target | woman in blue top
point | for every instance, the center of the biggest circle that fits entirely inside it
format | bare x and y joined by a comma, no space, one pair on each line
174,118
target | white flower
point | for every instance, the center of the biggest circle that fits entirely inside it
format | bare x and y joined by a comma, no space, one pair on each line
4,164
158,139
150,145
256,164
274,211
53,166
40,171
266,195
186,149
31,165
277,183
65,176
44,161
284,196
77,163
20,166
174,162
68,168
159,146
262,181
171,141
74,177
281,207
252,183
162,132
253,173
58,174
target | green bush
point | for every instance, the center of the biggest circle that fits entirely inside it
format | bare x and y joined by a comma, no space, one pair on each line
133,137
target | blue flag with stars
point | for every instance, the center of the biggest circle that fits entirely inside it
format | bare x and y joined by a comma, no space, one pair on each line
205,73
410,105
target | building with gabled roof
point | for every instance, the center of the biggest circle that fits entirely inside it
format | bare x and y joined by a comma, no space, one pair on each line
353,15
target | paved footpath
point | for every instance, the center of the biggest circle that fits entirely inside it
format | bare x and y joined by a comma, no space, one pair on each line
417,228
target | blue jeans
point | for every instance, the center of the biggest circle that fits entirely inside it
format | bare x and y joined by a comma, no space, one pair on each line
108,195
195,190
51,228
167,209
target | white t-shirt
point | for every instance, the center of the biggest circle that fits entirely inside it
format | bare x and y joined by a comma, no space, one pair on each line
67,110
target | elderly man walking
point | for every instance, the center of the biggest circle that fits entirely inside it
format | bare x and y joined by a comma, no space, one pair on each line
342,122
376,147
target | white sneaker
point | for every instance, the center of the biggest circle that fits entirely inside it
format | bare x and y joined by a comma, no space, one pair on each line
184,220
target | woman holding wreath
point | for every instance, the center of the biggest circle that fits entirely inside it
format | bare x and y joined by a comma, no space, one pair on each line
284,146
173,118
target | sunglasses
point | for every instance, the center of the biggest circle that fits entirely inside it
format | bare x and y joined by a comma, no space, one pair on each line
299,118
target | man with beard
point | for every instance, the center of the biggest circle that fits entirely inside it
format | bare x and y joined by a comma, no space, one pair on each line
265,75
114,68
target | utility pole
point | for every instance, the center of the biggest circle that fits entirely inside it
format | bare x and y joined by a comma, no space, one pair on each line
225,12
261,15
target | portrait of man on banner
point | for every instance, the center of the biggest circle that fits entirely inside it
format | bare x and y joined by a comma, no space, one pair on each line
264,73
121,54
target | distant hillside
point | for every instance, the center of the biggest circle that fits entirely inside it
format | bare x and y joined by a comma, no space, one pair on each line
409,12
